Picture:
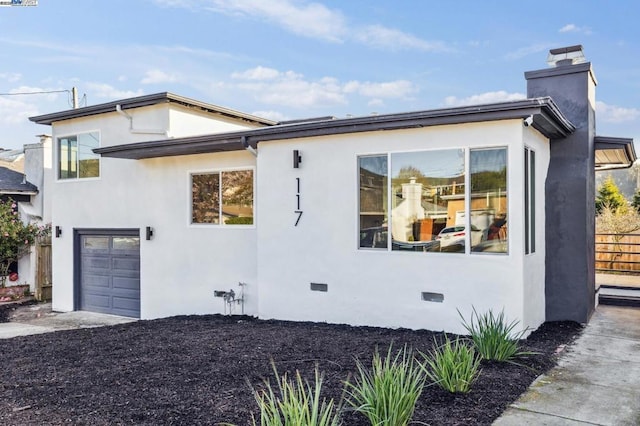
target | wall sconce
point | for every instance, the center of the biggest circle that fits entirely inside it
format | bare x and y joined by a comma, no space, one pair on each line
297,159
58,231
149,233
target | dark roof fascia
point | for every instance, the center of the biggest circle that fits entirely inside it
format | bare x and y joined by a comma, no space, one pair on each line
147,100
608,142
561,70
547,119
544,110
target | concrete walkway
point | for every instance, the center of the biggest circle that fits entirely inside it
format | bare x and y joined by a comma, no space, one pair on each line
37,319
596,382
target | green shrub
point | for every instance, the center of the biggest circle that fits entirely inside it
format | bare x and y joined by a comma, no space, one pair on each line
387,393
452,366
493,337
244,220
295,403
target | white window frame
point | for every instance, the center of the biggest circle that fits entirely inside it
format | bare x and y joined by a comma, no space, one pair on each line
467,198
56,155
220,171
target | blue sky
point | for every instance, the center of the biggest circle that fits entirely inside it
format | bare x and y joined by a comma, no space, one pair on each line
287,59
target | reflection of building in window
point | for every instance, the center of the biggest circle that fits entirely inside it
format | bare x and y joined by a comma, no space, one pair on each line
428,195
373,199
229,201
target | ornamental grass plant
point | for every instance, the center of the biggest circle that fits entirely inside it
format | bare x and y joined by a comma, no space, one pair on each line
493,337
453,366
295,403
387,392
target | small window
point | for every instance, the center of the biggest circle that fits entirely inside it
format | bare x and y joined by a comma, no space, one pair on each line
529,201
489,201
373,201
222,198
76,159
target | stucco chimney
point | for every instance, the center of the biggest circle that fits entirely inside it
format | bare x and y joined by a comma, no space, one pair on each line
570,186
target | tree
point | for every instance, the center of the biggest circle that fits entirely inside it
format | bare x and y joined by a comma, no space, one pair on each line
609,195
16,237
636,201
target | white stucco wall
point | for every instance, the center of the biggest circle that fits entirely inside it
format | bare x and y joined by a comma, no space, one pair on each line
376,288
183,264
534,263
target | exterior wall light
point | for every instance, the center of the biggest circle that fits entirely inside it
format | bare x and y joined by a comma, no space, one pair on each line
58,231
149,233
297,159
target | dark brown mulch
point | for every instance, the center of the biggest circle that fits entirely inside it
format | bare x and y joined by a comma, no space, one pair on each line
194,370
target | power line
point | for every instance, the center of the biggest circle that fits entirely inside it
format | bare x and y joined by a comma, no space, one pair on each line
34,93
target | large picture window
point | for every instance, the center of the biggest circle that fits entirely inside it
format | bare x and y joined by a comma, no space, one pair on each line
223,198
427,207
427,188
76,159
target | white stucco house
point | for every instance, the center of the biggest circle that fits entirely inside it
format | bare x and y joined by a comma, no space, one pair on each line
163,205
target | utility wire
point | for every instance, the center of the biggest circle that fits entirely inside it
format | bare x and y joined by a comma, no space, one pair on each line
34,93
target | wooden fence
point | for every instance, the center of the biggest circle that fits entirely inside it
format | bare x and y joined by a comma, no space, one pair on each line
43,271
618,253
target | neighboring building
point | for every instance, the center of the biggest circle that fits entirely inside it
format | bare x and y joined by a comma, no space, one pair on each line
161,203
21,178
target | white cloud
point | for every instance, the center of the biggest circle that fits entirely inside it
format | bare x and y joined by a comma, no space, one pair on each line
392,39
10,77
313,20
158,77
15,110
389,89
572,28
292,89
257,73
484,98
106,91
526,51
310,20
615,114
271,115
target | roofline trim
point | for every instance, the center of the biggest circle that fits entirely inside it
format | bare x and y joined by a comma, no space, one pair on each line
547,119
143,101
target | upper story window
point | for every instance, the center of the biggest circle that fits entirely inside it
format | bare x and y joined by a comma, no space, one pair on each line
76,159
426,206
222,198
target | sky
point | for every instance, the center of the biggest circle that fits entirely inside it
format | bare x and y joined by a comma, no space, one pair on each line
291,59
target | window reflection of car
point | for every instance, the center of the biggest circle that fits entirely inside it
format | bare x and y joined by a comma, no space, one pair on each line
430,245
454,236
377,237
374,237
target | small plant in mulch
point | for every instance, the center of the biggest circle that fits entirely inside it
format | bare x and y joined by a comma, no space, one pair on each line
493,337
295,402
386,393
453,366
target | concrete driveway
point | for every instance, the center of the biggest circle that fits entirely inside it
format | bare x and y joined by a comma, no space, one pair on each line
37,319
597,382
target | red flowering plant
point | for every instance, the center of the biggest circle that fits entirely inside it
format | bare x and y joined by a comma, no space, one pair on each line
16,237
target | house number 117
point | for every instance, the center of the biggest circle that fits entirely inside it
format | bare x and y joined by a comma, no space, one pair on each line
298,211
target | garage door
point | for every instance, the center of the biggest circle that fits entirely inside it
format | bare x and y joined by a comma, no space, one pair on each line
110,274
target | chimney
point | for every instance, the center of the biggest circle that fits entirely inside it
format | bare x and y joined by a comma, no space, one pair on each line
570,186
